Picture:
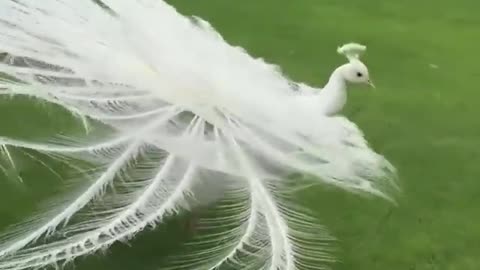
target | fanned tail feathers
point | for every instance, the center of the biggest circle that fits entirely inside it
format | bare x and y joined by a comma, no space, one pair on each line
192,122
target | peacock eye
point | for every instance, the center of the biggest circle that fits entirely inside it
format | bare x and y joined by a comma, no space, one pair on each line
359,74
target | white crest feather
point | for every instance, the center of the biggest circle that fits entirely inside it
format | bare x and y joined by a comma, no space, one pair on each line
352,50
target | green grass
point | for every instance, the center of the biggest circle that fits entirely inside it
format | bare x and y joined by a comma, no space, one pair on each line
423,119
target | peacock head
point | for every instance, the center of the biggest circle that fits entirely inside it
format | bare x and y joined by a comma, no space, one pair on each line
355,71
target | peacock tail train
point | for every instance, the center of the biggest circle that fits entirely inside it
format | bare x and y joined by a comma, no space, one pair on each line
173,118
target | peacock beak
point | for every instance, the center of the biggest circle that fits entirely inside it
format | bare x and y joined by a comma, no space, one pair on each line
369,82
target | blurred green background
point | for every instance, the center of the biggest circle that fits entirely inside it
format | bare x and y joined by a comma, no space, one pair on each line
423,58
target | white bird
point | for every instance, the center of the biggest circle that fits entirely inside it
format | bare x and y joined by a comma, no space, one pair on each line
187,120
333,97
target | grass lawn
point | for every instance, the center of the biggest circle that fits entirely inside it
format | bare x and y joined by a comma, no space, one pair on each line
422,56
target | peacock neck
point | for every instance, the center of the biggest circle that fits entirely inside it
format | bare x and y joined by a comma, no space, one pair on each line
334,95
337,81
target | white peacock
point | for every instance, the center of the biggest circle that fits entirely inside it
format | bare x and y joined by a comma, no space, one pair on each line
187,120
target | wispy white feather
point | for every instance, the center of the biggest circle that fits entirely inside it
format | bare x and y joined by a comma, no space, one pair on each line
164,83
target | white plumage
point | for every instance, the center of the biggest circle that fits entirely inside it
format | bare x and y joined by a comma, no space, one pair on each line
187,114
